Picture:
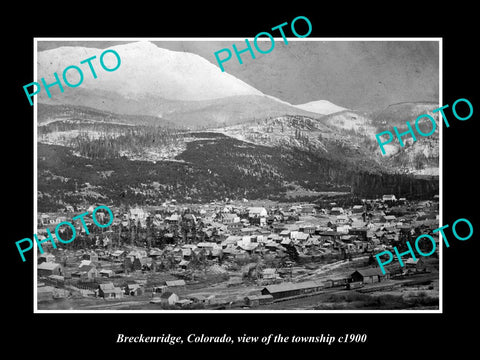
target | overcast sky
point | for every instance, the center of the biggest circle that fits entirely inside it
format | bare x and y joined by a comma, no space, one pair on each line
359,75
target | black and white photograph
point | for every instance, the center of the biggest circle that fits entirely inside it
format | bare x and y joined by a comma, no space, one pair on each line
257,188
217,180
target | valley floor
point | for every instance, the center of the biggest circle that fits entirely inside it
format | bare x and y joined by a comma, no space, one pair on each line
298,258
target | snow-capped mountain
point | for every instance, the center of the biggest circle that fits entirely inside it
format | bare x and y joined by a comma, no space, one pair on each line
147,69
322,107
171,85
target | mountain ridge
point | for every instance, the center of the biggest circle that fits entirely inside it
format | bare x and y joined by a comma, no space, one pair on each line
214,146
154,81
323,107
146,68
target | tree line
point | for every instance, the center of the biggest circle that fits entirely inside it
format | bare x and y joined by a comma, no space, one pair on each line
136,140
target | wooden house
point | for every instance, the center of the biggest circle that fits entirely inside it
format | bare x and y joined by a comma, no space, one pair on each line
229,218
169,298
369,275
106,273
109,291
133,289
269,273
49,268
415,265
175,283
257,212
92,256
308,209
357,209
85,272
201,299
336,211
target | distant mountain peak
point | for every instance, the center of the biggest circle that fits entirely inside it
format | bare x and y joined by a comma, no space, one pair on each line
323,107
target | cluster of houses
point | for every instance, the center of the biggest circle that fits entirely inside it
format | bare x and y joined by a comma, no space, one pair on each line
172,238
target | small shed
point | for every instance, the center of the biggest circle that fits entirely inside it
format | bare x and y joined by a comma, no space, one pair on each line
89,270
416,265
109,291
369,275
106,273
269,273
49,268
133,289
169,298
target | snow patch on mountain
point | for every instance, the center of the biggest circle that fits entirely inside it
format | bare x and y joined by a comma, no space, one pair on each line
323,107
145,69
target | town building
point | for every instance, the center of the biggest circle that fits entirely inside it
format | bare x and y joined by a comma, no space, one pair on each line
369,275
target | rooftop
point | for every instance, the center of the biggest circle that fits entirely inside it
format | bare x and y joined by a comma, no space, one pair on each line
287,286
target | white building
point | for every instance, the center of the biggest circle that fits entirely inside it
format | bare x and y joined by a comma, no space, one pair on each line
257,212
